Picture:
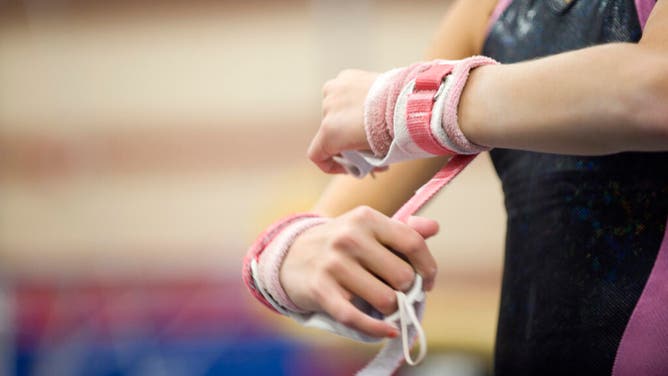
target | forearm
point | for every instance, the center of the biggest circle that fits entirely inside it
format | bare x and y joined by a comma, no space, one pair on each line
460,35
598,100
385,193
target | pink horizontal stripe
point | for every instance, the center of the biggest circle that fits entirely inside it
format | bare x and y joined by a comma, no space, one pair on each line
180,307
42,156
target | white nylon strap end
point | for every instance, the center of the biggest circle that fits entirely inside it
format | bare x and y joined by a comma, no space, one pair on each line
408,317
355,163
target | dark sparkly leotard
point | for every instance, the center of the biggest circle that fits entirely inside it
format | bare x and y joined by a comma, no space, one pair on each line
583,232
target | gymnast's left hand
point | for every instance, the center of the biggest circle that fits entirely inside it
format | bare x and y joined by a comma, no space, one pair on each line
342,125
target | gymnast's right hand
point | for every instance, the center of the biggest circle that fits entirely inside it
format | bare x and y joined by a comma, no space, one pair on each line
349,256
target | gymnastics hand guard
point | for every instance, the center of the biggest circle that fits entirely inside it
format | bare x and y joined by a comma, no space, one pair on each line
261,275
410,113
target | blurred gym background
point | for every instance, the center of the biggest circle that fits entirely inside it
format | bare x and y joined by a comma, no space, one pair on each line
144,144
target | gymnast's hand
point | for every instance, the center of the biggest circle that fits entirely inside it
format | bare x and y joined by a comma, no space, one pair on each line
342,125
350,256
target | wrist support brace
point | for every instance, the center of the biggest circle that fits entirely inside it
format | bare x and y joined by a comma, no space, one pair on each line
264,258
411,304
423,122
261,270
417,121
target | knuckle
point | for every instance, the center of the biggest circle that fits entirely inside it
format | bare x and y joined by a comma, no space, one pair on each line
415,244
331,264
345,316
345,239
431,272
405,277
363,213
387,302
327,125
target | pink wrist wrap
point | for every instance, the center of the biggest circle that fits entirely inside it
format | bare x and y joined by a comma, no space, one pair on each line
409,113
267,253
385,95
380,103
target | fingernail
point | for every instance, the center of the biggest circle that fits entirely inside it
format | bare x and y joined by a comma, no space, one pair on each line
393,333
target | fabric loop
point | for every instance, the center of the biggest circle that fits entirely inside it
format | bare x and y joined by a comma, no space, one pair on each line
408,317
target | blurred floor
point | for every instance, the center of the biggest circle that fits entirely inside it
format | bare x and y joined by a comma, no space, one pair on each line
143,146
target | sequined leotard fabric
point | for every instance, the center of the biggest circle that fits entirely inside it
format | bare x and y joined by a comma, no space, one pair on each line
583,232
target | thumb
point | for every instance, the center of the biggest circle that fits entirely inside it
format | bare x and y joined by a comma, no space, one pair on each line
424,226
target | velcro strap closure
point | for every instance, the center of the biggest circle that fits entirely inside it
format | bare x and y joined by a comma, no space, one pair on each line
419,107
431,79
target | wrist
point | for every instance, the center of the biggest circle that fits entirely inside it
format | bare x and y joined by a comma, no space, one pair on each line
271,261
473,109
426,118
264,258
377,131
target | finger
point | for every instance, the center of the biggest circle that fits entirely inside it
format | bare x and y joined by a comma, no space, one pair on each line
347,314
404,240
385,264
330,166
322,158
424,226
400,238
324,163
360,282
333,137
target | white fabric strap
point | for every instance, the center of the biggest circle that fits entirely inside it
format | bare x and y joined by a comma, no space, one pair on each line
403,147
436,123
408,317
321,320
360,163
405,317
410,309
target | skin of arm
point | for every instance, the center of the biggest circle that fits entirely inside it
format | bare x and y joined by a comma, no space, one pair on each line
347,256
461,34
599,100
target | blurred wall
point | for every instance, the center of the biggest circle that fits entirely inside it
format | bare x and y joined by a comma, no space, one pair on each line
153,140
